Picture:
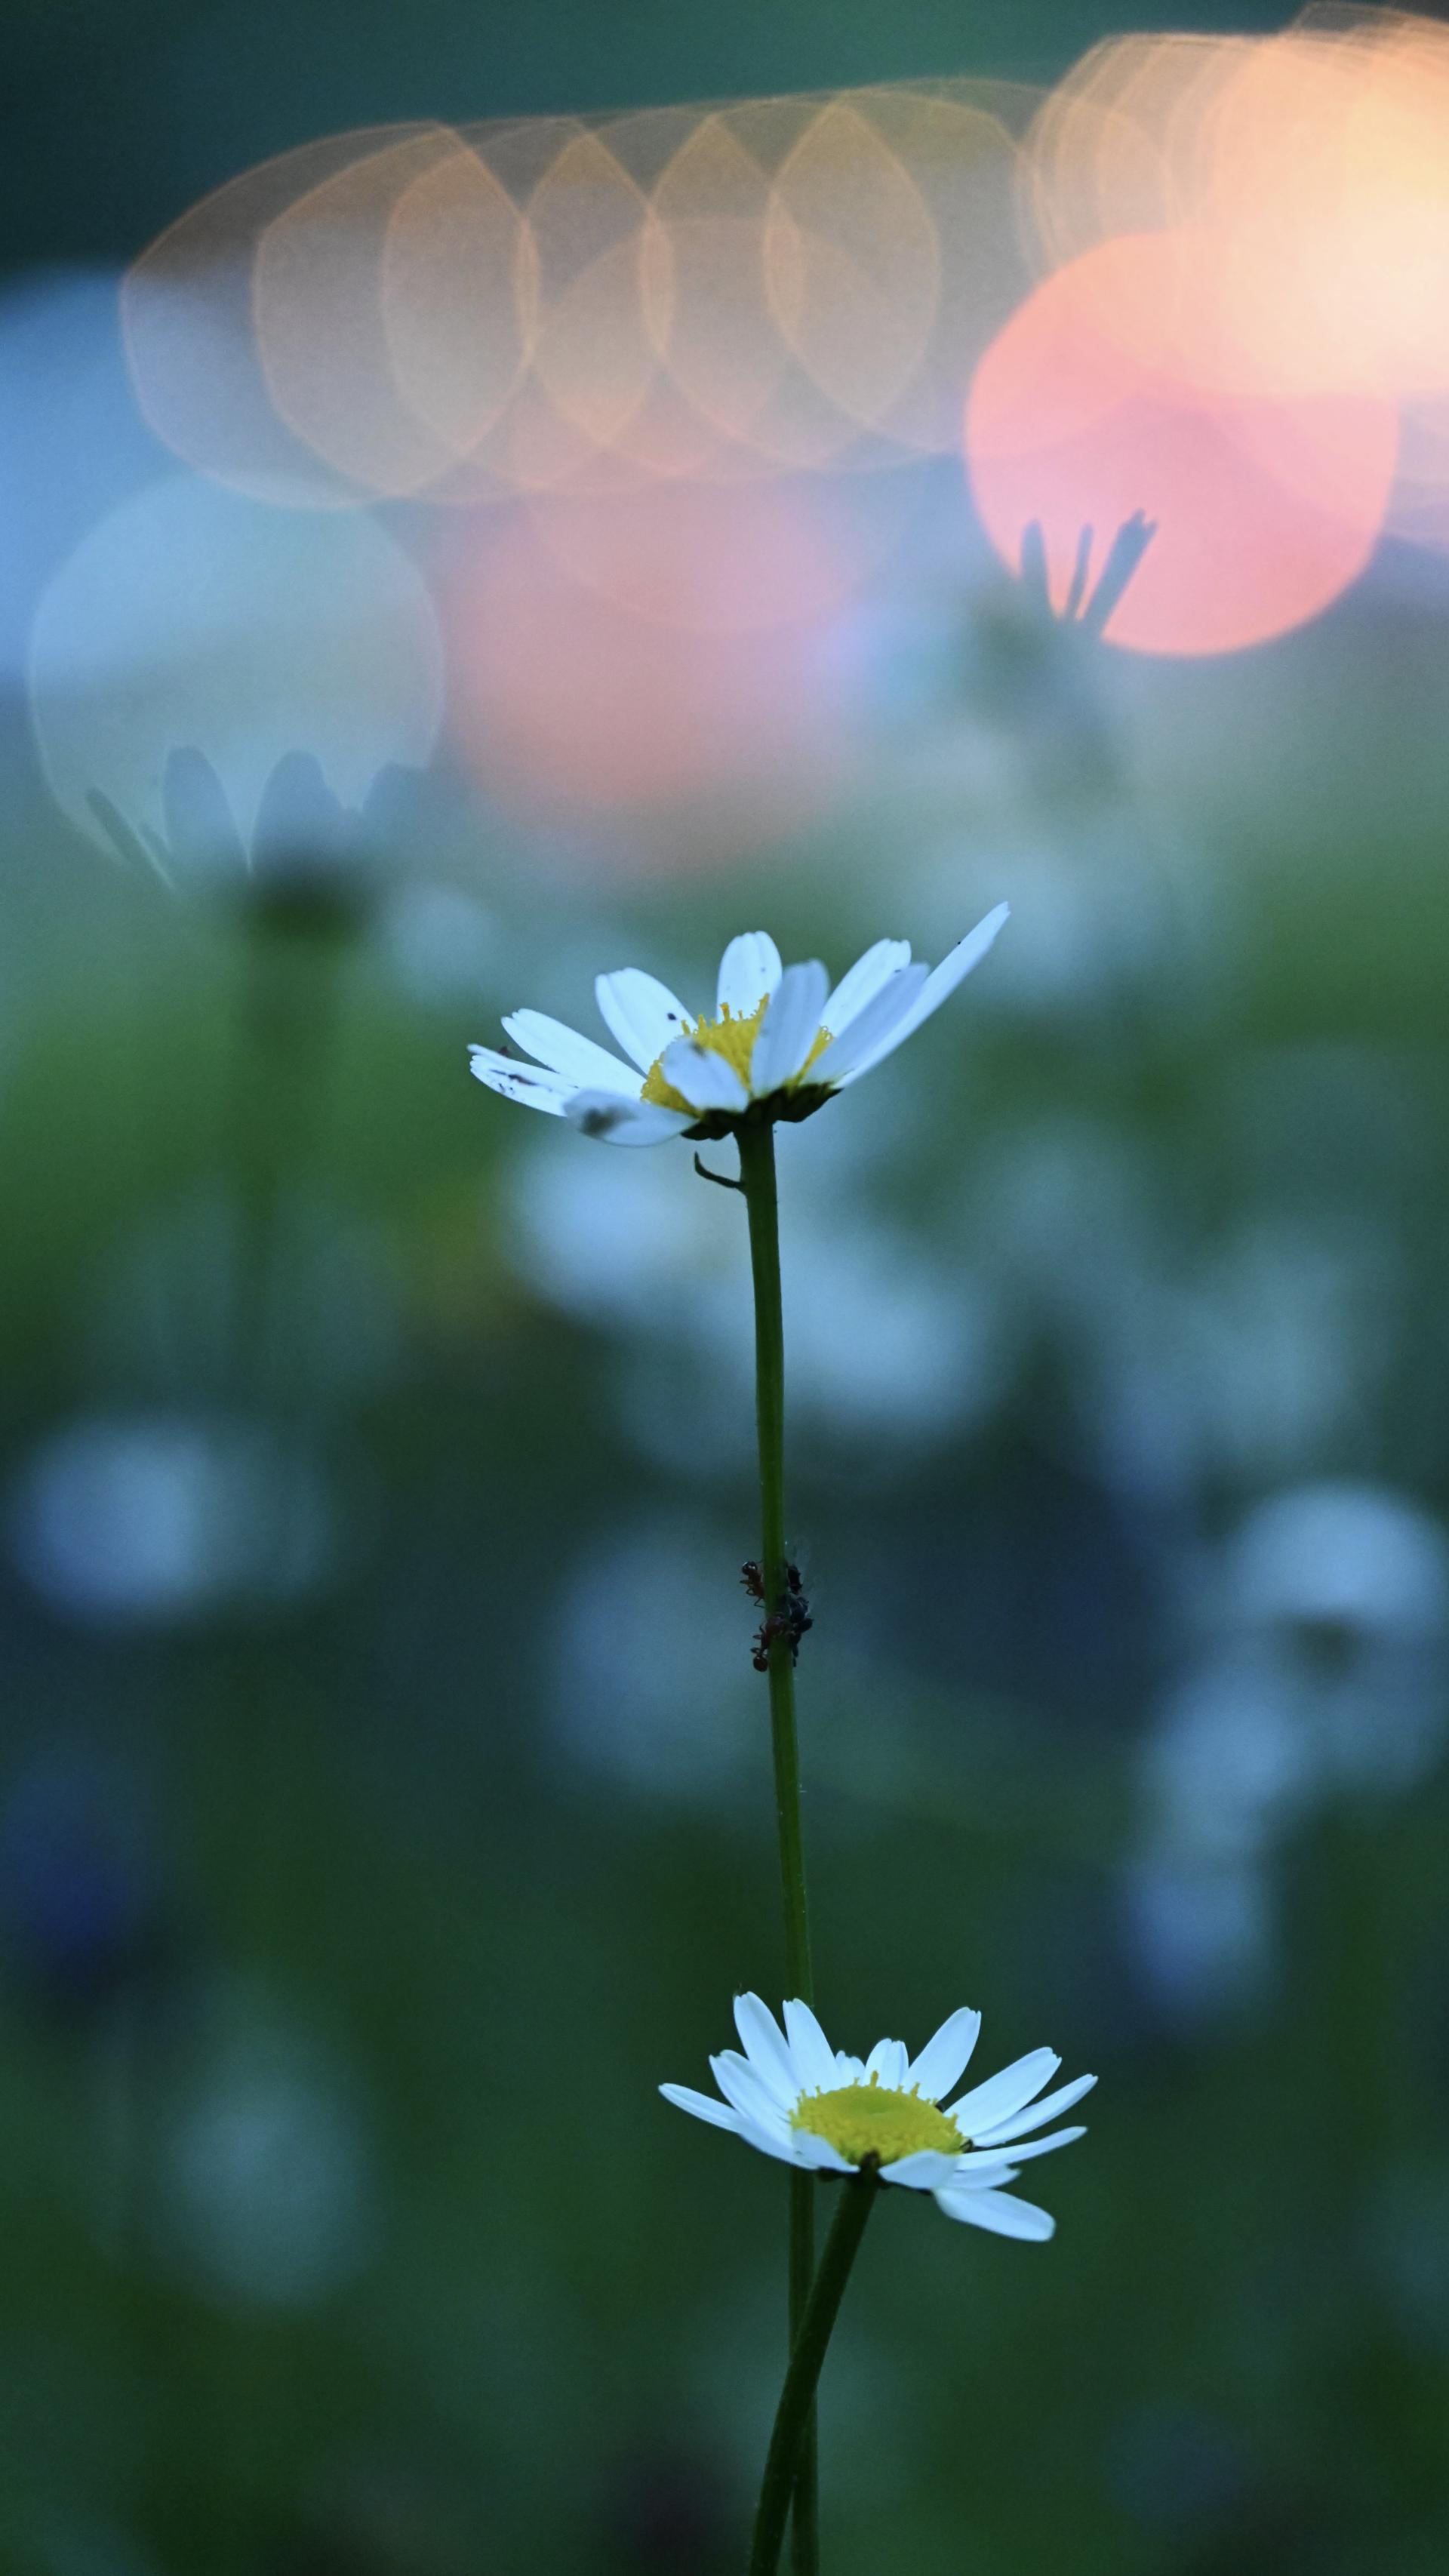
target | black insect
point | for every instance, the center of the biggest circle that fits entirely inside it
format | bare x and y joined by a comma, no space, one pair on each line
791,1619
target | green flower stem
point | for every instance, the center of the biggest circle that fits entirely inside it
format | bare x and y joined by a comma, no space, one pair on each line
285,1022
805,2522
288,995
757,1179
796,2410
757,1172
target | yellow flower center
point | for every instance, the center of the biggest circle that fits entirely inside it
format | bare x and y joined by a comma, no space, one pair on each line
873,2119
732,1038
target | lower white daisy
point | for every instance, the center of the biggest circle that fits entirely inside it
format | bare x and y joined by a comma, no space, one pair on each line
776,1045
793,2096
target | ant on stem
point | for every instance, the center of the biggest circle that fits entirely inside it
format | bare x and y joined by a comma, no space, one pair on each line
791,1619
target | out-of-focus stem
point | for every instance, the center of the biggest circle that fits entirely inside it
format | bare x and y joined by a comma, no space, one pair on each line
796,2410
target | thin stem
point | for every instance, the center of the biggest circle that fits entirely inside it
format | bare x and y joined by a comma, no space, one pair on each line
805,2520
757,1173
757,1179
795,2412
286,1008
286,1002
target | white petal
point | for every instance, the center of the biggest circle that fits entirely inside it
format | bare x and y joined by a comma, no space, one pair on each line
195,815
888,2060
1029,2147
864,981
767,2049
1001,2212
528,1083
818,2153
744,2086
641,1013
1000,2095
789,1028
871,1026
616,1121
982,2172
849,2070
590,1067
945,2057
812,2053
749,969
703,2107
770,2142
297,811
702,1078
1023,2121
927,2170
941,983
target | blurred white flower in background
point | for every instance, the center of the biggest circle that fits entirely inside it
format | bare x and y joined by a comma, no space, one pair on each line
1066,1212
171,1516
1228,1765
887,1340
650,1719
440,942
1266,1353
1251,1357
177,1498
1286,1339
1347,1562
189,616
1104,915
309,860
1324,1674
1348,1587
270,2199
1202,1935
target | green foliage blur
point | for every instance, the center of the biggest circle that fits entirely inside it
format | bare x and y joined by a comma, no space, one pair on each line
384,1791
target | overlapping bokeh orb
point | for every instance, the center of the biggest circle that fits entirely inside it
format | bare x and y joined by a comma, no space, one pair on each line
560,306
1204,277
1244,328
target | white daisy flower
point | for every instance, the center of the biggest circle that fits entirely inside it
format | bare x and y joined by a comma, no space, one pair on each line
793,2096
778,1037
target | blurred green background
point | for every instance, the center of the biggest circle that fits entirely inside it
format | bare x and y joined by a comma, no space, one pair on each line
384,1797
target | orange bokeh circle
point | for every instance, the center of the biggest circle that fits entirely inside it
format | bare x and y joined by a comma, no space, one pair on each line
1122,384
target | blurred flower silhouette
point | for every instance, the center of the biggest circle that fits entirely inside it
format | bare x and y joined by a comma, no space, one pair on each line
1341,1568
1039,674
1088,604
1324,1680
168,1516
309,861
